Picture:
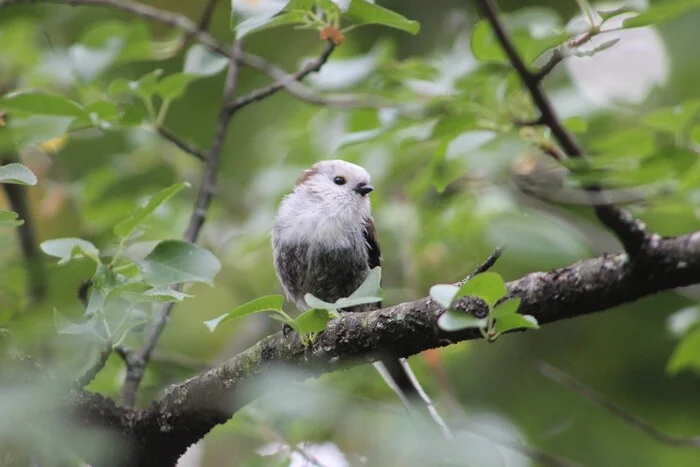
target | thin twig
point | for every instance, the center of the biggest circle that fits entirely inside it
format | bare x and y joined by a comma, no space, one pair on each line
207,14
36,271
283,79
96,367
534,454
138,360
188,148
182,361
144,11
622,414
203,37
556,58
630,231
486,265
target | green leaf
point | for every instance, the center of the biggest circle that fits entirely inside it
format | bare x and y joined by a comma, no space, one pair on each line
370,287
599,48
88,329
17,174
457,320
35,129
201,61
367,292
311,321
512,321
257,24
661,12
686,354
41,103
505,308
147,85
175,85
127,226
69,248
576,124
488,286
315,302
177,261
675,119
444,294
254,12
9,219
266,303
140,292
363,12
104,281
486,47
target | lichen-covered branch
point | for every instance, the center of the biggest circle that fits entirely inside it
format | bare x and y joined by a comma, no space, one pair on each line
187,411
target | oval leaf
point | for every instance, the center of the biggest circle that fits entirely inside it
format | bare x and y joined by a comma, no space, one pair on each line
9,219
177,261
516,321
370,286
175,85
312,321
203,62
69,248
315,302
508,307
41,103
444,294
363,12
17,173
488,286
458,320
266,303
127,226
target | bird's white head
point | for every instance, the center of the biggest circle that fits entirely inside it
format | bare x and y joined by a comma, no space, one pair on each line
329,204
337,184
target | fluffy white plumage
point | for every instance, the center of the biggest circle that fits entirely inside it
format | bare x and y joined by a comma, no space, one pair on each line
321,212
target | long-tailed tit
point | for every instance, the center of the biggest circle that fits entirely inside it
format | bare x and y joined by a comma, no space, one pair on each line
324,243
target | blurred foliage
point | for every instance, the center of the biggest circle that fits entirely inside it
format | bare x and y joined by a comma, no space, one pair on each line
87,90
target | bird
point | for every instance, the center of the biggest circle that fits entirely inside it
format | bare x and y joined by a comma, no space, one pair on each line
324,243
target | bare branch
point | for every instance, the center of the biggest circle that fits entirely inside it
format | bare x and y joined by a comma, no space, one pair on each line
137,361
144,11
96,367
486,265
188,148
283,80
622,414
631,232
207,14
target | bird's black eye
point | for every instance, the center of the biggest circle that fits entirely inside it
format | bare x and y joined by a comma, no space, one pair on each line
339,180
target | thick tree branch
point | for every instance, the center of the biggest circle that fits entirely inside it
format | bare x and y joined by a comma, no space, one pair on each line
630,231
187,411
138,360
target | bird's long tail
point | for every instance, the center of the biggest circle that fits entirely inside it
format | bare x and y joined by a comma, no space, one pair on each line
401,379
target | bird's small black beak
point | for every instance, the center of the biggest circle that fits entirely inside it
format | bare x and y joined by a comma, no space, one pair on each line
363,188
